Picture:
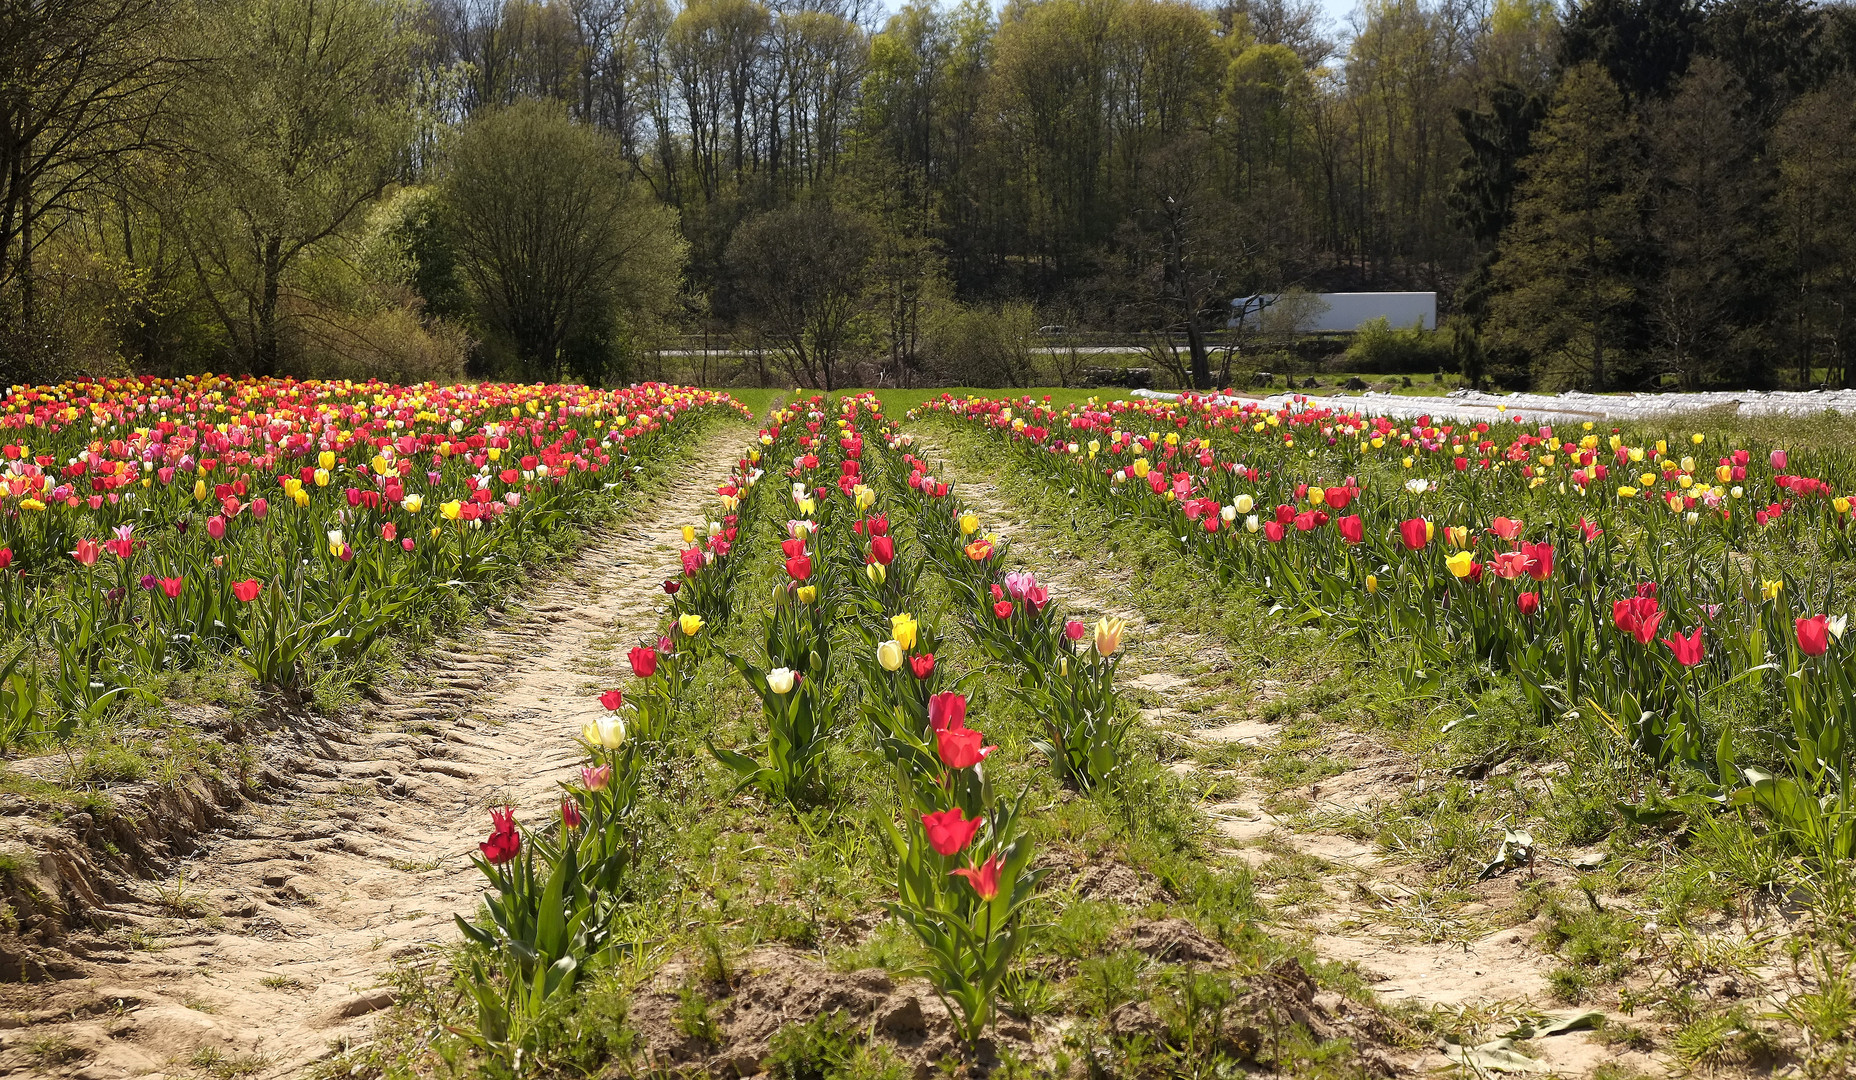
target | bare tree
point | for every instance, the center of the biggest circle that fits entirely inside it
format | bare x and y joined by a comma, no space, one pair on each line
801,271
81,83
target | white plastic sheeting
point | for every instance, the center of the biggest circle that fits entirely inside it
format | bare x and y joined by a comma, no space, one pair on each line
1466,406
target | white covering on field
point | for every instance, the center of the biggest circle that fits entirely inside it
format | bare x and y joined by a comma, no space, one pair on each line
1472,405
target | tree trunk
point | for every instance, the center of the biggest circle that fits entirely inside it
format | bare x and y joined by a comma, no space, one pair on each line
264,355
1201,361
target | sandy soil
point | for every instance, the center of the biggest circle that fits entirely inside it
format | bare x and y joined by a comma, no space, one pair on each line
304,905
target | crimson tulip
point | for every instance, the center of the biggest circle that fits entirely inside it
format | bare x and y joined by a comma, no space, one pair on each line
1689,650
1813,632
1352,529
1415,533
570,814
644,661
883,549
1528,602
960,748
922,666
799,569
947,710
950,831
505,843
1074,630
247,590
612,699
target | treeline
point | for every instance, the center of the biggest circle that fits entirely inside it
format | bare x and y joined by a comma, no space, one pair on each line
1624,193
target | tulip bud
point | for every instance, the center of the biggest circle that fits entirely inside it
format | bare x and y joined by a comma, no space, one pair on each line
876,572
1372,583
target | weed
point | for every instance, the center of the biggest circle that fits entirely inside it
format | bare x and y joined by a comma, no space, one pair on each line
695,1015
1717,1039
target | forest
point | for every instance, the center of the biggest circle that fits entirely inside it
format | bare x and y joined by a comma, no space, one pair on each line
1617,194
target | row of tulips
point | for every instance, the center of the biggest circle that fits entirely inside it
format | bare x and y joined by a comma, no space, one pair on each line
148,524
1065,669
557,892
963,860
1646,603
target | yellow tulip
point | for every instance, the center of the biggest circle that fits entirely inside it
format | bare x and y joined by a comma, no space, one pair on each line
450,509
326,459
968,524
1769,589
1460,563
199,490
689,534
322,478
806,593
1372,583
1457,535
1108,636
690,624
1140,468
903,627
608,731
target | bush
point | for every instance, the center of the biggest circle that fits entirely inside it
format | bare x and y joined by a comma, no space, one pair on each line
1378,348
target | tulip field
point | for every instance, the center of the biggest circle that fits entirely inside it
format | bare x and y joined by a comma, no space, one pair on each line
996,738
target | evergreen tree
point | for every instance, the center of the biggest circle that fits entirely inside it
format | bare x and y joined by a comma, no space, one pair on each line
1707,193
1563,276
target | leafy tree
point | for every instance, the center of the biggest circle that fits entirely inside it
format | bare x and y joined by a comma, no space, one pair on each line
1564,273
293,129
566,258
801,272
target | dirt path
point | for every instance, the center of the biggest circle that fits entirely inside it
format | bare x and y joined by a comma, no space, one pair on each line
304,905
1344,897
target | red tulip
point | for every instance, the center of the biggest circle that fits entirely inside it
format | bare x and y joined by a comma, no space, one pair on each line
671,586
1638,617
949,832
1539,560
170,587
883,549
878,525
691,558
505,842
389,532
612,699
1074,630
793,547
984,878
1003,609
644,661
1273,531
1506,528
960,747
1813,633
570,813
1590,529
216,527
1688,650
247,590
799,569
947,710
1352,529
1528,602
1415,532
87,552
6,558
922,666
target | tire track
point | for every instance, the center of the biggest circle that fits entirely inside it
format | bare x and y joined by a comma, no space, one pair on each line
268,949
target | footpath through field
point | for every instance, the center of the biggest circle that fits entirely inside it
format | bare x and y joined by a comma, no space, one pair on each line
1330,889
306,904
